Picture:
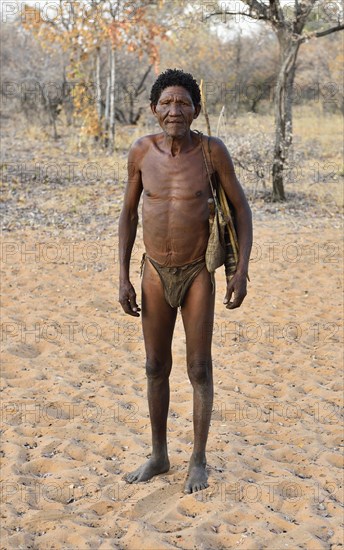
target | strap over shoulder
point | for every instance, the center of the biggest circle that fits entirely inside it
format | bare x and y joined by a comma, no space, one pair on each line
208,142
206,164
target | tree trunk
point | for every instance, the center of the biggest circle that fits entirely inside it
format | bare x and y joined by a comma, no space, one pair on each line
237,92
283,113
107,109
112,121
98,87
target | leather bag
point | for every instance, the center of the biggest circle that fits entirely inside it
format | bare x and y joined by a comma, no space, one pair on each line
223,242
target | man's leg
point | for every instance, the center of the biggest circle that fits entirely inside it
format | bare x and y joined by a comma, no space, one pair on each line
158,320
198,319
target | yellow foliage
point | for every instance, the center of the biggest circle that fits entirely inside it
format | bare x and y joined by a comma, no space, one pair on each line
83,30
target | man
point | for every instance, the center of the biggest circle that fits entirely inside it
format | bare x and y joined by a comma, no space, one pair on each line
169,169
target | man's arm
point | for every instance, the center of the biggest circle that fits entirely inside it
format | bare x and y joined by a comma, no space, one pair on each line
127,229
223,165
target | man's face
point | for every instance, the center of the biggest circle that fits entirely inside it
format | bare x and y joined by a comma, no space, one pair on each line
175,111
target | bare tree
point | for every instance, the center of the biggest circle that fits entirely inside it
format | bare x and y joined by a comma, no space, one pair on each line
128,108
289,28
112,63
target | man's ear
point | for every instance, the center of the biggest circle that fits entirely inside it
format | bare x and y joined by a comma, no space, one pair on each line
153,108
197,110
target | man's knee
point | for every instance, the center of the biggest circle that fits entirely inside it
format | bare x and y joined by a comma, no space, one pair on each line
200,371
158,369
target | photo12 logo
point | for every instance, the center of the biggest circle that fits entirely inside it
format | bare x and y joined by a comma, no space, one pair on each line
270,492
58,12
39,493
61,413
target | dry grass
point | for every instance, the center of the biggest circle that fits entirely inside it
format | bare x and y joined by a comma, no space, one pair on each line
316,164
94,186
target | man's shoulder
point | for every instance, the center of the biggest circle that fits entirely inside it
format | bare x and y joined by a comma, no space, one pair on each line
214,145
143,143
214,142
211,142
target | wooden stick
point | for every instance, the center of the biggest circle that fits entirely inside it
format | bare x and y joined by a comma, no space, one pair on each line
219,120
204,107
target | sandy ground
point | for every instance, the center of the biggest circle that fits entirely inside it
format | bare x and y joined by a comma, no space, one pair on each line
75,415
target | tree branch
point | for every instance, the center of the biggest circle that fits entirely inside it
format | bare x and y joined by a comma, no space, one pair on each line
319,34
302,15
257,18
276,11
258,7
140,87
257,10
329,31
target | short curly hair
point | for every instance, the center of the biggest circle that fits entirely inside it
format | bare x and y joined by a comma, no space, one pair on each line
175,77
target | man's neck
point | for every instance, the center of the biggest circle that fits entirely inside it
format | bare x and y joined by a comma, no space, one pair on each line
177,145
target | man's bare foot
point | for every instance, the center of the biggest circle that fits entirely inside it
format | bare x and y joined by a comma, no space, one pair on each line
197,478
151,468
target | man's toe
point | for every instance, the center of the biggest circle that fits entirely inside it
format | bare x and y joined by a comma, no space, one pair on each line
130,478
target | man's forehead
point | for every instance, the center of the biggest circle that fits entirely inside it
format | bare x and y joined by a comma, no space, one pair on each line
175,91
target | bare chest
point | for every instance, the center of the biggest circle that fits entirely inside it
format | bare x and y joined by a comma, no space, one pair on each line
181,177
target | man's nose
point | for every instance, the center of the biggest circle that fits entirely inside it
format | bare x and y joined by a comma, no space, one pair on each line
174,109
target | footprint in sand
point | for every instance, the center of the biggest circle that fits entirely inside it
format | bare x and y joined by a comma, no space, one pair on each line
74,452
103,507
41,466
24,350
284,454
101,304
336,460
88,366
149,506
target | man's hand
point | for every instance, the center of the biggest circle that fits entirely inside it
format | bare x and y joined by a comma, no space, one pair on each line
237,285
127,299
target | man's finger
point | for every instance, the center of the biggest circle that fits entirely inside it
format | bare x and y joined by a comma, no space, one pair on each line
238,300
128,307
133,303
228,295
130,311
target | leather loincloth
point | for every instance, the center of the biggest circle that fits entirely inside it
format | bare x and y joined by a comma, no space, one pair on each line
176,281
